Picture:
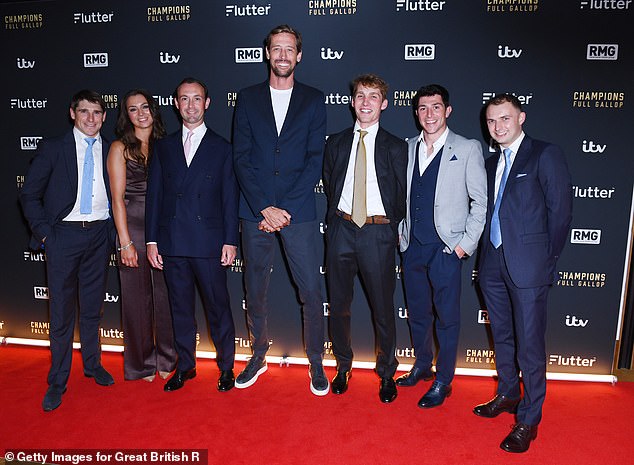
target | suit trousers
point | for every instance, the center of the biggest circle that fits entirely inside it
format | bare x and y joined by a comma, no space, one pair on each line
299,244
518,324
182,274
76,263
368,251
433,281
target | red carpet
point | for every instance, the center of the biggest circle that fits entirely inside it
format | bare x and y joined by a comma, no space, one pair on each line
278,420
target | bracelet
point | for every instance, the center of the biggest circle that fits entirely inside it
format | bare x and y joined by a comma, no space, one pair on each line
125,247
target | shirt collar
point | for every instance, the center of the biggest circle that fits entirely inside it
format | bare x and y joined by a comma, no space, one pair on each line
439,142
372,130
515,145
81,137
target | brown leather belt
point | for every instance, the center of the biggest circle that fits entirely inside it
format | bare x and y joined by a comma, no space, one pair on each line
84,224
376,219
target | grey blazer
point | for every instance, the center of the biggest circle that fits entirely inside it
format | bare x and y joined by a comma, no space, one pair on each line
460,201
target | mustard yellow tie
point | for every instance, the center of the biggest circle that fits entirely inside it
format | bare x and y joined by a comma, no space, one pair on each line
359,207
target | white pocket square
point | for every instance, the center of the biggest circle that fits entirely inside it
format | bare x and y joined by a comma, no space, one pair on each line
520,175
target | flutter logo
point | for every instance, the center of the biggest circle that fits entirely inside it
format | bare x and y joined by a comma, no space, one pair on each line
524,99
93,17
247,10
605,4
571,361
419,5
27,104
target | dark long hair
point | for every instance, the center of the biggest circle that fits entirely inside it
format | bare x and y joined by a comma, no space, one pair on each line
125,129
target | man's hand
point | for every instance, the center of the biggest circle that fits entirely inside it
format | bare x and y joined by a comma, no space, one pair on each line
461,253
276,218
153,256
228,254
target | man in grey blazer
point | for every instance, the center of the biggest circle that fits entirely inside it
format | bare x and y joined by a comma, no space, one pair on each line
446,210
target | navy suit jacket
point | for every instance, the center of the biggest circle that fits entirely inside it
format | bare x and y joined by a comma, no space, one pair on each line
50,188
280,171
535,212
192,211
390,161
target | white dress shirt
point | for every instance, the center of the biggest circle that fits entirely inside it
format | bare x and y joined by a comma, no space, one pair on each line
515,145
197,137
423,159
373,194
99,195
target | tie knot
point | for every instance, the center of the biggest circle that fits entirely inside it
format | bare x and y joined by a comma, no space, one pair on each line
362,133
507,154
90,141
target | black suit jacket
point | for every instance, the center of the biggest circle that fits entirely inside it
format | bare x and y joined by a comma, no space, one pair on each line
50,188
390,160
192,211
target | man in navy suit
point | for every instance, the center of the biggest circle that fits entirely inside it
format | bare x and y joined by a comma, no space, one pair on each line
66,200
446,209
365,169
528,216
278,140
192,231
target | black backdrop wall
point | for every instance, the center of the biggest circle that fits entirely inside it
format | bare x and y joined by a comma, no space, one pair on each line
570,62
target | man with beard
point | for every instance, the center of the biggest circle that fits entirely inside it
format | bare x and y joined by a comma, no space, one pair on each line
278,141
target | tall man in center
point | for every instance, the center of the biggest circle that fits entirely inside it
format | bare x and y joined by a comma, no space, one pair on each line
365,182
446,208
278,144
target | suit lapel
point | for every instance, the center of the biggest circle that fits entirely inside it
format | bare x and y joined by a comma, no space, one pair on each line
521,158
341,161
266,105
445,158
294,106
70,159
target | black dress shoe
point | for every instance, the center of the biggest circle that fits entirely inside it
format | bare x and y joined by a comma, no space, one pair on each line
53,398
520,438
178,380
387,391
226,380
102,377
435,396
413,376
340,382
495,406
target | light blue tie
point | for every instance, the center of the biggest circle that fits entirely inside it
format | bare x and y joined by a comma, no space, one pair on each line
85,198
496,233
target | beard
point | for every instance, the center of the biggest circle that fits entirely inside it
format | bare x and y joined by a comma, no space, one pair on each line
282,73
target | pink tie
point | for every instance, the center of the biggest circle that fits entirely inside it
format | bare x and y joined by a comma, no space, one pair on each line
188,145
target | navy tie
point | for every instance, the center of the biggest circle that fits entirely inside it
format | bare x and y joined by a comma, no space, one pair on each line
85,198
496,233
